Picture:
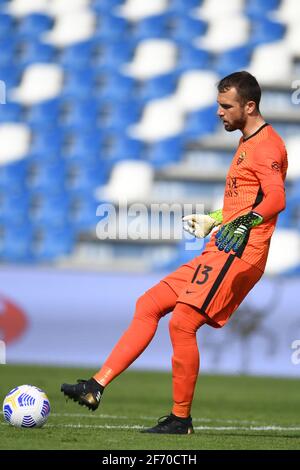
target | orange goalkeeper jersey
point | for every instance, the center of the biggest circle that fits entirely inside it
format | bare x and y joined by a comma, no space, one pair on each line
260,163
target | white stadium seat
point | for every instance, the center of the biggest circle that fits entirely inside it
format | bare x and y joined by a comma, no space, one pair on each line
196,89
281,259
152,57
135,10
15,140
71,28
161,119
40,82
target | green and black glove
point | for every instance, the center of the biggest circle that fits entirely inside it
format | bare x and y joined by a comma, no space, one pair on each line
232,235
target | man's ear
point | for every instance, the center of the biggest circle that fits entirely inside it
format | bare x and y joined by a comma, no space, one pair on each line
251,107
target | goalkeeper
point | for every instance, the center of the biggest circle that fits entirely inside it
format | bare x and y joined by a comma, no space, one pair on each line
209,288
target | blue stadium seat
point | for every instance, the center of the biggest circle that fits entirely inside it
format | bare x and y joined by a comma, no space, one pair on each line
79,83
15,243
83,209
119,147
185,28
154,26
10,112
86,144
156,87
43,175
8,48
111,55
49,208
83,176
191,57
264,31
44,114
29,52
115,87
200,123
101,6
232,60
165,152
257,9
14,204
50,243
12,176
10,74
6,25
34,24
77,56
80,114
109,26
46,140
117,116
182,6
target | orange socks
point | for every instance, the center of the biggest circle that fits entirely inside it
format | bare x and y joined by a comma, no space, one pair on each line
183,326
150,307
184,323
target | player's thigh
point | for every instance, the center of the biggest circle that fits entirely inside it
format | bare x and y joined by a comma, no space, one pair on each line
219,286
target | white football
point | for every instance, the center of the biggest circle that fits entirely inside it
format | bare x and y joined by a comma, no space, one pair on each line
26,406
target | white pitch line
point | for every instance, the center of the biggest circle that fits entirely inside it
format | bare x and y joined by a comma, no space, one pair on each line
196,428
151,418
249,425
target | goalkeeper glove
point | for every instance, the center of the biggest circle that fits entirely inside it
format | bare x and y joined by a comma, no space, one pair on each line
232,235
200,225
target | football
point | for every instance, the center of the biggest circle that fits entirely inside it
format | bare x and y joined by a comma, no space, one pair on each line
26,406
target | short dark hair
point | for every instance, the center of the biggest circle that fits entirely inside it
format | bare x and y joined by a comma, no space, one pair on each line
245,84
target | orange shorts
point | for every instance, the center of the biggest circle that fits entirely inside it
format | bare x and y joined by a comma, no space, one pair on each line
215,283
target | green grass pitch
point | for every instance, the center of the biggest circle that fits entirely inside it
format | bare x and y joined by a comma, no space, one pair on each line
229,412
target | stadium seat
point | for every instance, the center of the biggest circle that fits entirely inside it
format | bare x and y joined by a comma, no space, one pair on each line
265,60
185,27
76,26
256,9
15,243
130,181
47,141
157,87
165,152
11,112
152,57
117,147
6,25
40,82
20,8
115,87
44,114
196,90
48,208
43,175
15,140
34,25
160,119
83,209
78,84
191,58
232,60
225,33
200,123
212,9
150,27
280,260
181,6
10,74
264,31
110,27
58,8
51,243
32,52
135,10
